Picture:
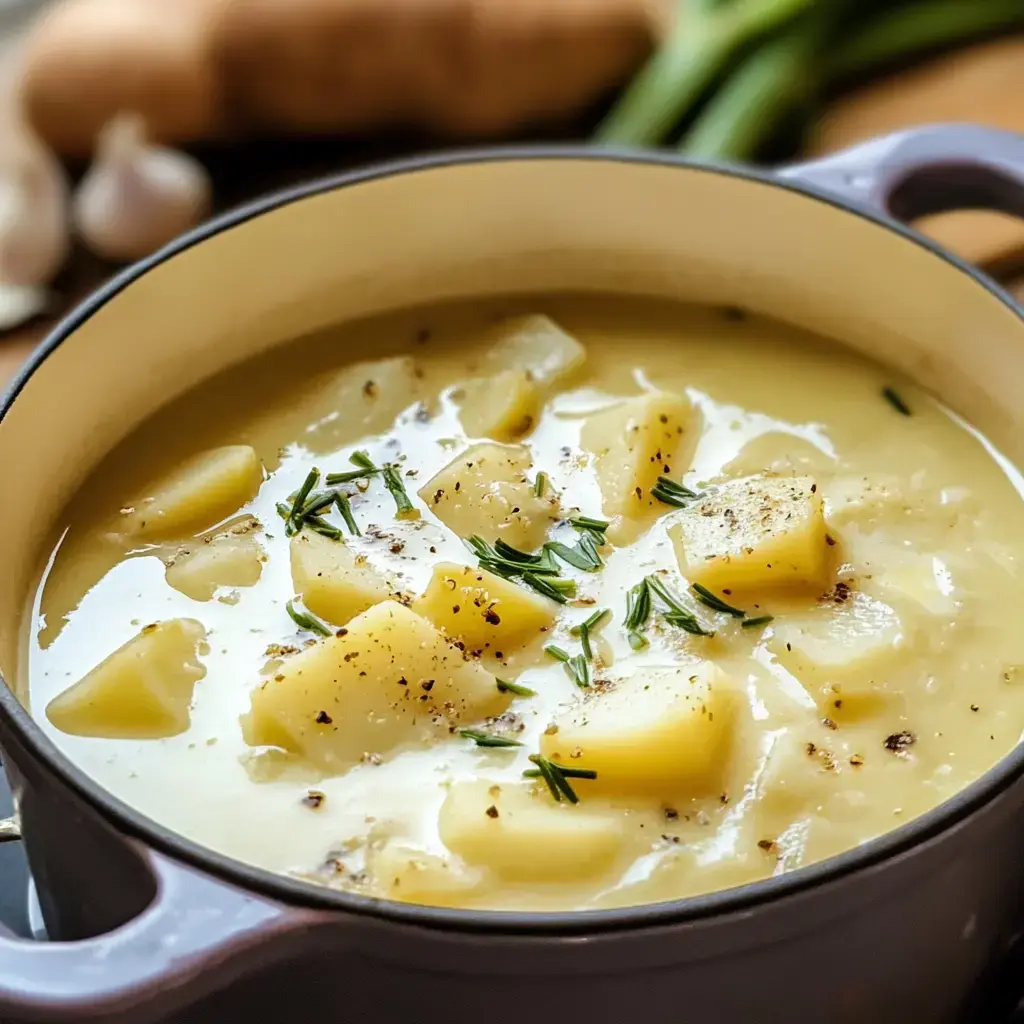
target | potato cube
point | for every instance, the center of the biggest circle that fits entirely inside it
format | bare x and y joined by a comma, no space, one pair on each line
503,407
534,344
232,558
486,491
798,776
775,453
198,494
141,691
521,834
391,679
923,582
482,610
402,872
864,500
754,534
334,582
841,649
634,443
663,731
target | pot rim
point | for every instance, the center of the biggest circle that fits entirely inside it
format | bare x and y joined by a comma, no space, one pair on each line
296,893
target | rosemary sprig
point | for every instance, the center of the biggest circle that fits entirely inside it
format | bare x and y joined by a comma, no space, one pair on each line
577,668
317,502
322,527
669,492
591,625
712,600
405,509
557,653
760,620
596,526
504,686
638,612
583,556
892,396
540,485
486,739
507,561
294,522
557,589
366,469
305,620
557,777
677,614
345,508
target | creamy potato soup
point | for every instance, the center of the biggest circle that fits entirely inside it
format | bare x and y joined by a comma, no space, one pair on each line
555,604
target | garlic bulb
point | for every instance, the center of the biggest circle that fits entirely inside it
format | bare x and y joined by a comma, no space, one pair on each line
137,196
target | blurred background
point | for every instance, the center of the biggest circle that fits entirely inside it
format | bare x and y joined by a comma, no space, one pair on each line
126,122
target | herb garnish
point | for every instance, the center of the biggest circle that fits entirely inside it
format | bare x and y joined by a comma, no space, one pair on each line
405,509
590,525
557,589
583,556
557,777
760,620
668,492
677,614
304,620
577,668
892,396
366,469
504,686
638,611
504,560
345,508
540,485
712,600
486,739
323,527
294,521
591,625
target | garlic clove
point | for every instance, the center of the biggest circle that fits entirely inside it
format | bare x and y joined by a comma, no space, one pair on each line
136,196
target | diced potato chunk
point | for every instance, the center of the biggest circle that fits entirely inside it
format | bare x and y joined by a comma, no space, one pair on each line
776,453
403,872
200,492
334,582
141,691
634,443
232,558
343,406
839,647
503,407
534,344
864,500
483,610
920,582
521,834
486,491
797,778
391,679
662,731
754,534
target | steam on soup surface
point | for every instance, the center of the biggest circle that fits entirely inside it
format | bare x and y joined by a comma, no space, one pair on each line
600,605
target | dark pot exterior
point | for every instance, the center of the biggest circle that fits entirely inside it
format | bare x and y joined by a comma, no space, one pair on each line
153,929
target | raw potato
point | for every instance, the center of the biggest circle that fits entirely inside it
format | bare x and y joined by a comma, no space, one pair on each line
141,691
200,69
536,345
333,581
486,491
660,732
482,610
201,492
755,534
233,558
503,407
521,834
391,679
405,873
843,648
634,443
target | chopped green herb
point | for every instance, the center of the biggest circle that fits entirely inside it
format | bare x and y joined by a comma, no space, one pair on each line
504,686
638,609
712,600
393,482
591,625
558,590
590,525
294,521
760,620
363,461
317,502
485,739
366,469
323,527
557,653
637,640
540,485
669,492
578,669
677,614
284,511
892,396
345,508
304,620
505,560
557,777
583,556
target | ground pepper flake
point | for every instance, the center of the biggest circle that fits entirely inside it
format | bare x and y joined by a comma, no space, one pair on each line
322,718
314,799
492,811
899,742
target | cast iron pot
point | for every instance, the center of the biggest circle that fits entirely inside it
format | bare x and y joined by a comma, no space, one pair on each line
152,926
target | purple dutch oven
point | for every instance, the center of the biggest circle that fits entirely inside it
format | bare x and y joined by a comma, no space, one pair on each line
149,926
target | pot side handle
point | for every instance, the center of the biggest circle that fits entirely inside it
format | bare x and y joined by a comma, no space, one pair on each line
153,964
925,170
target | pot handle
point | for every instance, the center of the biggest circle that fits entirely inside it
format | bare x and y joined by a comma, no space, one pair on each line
925,170
162,956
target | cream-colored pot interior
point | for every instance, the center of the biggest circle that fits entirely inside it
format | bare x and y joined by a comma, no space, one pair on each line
473,229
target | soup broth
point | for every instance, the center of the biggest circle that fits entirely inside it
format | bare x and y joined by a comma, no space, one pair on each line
589,603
